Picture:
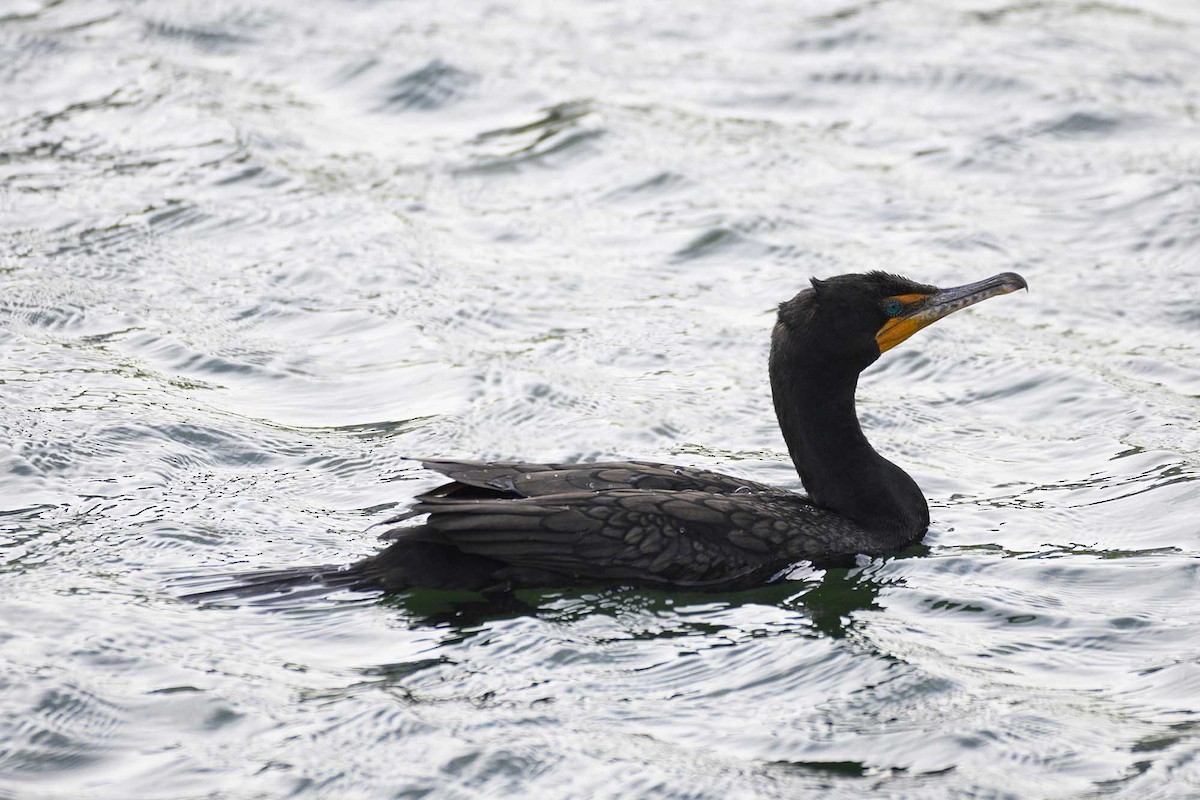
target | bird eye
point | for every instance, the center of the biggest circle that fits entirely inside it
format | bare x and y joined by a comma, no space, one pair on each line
893,308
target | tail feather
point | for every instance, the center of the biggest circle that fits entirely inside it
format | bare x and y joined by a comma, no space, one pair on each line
416,558
282,584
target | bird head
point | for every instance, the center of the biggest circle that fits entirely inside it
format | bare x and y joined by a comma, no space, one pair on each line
852,319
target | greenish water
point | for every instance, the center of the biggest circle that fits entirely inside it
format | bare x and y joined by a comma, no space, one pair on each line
255,254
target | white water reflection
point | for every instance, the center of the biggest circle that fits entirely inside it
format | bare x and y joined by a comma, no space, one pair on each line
257,254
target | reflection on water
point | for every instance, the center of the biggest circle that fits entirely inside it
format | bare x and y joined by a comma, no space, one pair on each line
256,255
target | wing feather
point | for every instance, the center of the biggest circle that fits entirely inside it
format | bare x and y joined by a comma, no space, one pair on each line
512,478
685,537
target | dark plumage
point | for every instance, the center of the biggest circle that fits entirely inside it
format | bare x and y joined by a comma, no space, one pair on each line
501,526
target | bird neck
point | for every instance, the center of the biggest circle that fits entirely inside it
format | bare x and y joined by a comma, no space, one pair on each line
839,468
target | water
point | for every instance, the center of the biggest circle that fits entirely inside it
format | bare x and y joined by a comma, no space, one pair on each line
254,254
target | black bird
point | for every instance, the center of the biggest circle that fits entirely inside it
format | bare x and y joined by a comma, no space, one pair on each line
499,526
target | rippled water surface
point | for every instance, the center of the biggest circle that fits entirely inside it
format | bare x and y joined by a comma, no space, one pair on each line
254,254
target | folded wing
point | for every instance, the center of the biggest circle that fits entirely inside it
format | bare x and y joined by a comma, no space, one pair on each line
642,536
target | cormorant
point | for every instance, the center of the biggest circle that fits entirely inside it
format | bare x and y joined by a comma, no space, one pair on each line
500,526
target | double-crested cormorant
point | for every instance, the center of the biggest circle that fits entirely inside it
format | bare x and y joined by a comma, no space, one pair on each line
506,525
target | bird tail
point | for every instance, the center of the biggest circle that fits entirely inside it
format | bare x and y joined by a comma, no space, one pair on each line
266,587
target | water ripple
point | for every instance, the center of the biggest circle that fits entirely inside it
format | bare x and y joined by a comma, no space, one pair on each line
433,86
260,256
